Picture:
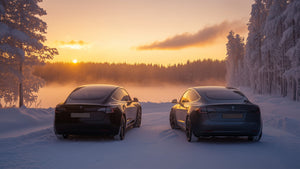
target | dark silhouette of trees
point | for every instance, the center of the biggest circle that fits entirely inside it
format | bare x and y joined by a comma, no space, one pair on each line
195,72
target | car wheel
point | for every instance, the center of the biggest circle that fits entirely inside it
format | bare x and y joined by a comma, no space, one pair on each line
121,133
255,138
138,119
173,122
189,131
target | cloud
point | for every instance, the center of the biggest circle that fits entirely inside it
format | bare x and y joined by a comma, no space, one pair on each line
73,44
205,36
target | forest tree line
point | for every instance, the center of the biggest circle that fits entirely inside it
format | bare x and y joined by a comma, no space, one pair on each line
195,73
269,62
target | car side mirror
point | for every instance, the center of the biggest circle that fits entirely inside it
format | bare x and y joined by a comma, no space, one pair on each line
174,101
135,99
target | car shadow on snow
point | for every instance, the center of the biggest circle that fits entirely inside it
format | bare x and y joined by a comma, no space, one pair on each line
93,138
175,134
225,140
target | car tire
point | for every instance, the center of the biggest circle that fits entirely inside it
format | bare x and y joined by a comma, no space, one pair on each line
121,133
173,122
189,131
255,138
138,119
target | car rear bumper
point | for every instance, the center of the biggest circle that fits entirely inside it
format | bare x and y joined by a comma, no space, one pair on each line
206,127
86,129
108,126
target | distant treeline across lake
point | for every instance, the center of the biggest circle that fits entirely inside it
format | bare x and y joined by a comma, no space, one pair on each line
200,72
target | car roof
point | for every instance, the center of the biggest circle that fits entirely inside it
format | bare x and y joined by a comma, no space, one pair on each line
201,89
211,90
103,86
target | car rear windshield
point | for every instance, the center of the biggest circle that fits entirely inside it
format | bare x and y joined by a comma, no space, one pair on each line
90,94
224,95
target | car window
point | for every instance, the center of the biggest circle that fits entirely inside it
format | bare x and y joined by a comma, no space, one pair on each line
189,96
125,96
193,96
118,95
224,95
88,95
185,97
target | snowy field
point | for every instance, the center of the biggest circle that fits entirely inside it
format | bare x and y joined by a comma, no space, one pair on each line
27,141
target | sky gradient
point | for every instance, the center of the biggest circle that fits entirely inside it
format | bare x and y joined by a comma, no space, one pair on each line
143,31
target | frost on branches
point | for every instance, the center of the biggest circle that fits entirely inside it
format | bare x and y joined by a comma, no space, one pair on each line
271,63
22,34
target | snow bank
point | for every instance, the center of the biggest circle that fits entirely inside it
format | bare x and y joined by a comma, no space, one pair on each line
18,121
277,112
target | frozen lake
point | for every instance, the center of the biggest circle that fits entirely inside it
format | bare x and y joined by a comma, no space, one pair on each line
51,95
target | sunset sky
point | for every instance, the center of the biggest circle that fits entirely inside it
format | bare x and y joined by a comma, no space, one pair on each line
143,31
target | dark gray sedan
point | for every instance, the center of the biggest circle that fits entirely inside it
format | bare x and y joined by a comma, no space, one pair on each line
216,111
97,109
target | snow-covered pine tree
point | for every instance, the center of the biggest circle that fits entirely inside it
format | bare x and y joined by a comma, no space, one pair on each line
229,60
234,60
272,54
253,56
21,47
240,53
290,42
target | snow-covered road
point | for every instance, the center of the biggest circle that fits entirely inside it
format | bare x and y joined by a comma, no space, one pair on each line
155,145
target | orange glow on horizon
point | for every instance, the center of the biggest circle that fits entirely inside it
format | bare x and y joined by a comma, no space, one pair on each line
111,31
74,61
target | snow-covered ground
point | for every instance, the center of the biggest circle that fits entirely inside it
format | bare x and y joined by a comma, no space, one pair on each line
27,141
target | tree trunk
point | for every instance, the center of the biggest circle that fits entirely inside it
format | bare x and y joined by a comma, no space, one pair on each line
298,90
294,89
21,87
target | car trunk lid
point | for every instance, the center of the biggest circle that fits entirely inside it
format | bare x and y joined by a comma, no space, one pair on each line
81,111
231,112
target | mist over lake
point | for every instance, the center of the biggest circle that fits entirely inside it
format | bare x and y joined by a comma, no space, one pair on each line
51,95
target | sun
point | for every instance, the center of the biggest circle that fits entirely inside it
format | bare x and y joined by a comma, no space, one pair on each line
74,61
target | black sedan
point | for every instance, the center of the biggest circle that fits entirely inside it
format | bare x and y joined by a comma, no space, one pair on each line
97,109
216,111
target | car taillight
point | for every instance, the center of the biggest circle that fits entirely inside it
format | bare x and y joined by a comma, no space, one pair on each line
110,110
60,109
201,110
256,110
107,109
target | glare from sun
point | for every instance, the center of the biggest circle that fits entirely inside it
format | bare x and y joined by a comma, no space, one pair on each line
74,61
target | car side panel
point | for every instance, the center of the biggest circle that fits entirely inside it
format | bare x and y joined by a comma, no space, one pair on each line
180,112
130,111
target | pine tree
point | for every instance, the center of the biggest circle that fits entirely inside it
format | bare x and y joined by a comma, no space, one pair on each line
253,55
234,59
272,53
290,41
21,47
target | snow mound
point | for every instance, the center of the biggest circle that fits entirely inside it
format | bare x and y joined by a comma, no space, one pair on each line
277,112
18,121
